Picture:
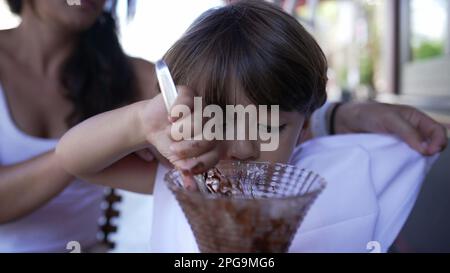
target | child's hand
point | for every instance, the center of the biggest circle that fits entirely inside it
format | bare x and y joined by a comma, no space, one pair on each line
190,156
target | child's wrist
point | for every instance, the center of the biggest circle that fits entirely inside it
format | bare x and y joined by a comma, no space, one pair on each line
137,134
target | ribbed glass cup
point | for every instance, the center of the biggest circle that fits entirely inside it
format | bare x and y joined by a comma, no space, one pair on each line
264,218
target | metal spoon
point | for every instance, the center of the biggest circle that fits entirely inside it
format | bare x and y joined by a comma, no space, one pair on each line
170,94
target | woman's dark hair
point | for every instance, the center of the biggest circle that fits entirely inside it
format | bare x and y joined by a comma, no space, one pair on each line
98,75
252,47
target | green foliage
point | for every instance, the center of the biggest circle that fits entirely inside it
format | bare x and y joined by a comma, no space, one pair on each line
427,50
366,69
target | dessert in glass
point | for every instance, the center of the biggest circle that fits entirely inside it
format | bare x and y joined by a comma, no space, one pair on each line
247,206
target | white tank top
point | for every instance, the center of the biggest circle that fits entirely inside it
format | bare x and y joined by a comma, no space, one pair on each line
73,215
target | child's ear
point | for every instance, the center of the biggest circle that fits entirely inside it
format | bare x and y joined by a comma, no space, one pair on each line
305,125
305,133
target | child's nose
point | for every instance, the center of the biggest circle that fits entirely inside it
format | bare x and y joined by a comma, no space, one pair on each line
243,150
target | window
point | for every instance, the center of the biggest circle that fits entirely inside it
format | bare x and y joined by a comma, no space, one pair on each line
424,54
428,27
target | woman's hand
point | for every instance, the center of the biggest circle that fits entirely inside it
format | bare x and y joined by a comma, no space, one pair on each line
415,128
190,156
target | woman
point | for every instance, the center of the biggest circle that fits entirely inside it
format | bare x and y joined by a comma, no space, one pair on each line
64,64
56,70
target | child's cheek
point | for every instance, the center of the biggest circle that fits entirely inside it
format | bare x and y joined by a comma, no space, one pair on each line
288,141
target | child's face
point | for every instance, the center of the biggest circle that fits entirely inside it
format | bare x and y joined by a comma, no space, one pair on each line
290,129
291,124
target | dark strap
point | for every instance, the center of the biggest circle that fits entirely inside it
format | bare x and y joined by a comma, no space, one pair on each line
332,124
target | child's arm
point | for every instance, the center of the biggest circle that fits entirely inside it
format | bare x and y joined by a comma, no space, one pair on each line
100,150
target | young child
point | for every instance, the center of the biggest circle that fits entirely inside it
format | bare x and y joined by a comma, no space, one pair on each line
252,53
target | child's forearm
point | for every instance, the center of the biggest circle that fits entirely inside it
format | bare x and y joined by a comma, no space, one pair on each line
102,140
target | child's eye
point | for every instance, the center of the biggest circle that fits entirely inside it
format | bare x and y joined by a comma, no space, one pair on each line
270,128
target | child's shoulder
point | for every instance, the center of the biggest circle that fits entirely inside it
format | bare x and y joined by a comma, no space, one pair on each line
352,150
365,142
378,157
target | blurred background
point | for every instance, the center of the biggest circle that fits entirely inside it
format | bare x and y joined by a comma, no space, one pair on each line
395,51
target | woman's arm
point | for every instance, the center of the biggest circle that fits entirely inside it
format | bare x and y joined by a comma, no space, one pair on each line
419,131
26,186
414,127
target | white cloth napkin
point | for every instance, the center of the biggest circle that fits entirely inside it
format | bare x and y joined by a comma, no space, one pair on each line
372,184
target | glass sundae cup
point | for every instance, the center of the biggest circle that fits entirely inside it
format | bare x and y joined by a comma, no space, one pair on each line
261,214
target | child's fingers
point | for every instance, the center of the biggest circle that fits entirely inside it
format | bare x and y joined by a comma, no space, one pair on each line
191,148
185,97
199,164
187,127
189,182
145,154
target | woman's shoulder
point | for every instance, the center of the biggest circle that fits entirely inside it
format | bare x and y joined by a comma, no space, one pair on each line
146,78
5,48
6,40
6,44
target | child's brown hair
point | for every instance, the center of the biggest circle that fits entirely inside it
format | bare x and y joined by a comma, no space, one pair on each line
252,47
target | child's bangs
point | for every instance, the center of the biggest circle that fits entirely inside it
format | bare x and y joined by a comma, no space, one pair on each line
229,71
227,81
